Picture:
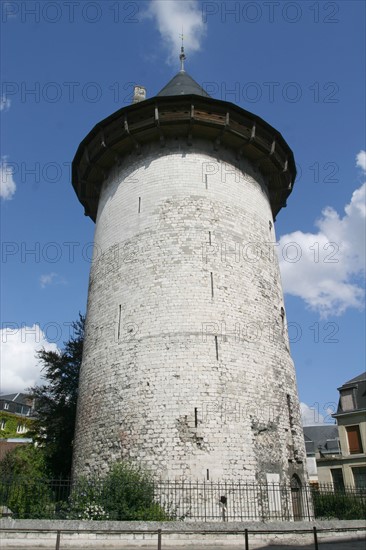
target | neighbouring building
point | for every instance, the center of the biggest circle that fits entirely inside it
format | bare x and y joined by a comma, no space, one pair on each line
16,413
336,454
351,419
322,451
186,366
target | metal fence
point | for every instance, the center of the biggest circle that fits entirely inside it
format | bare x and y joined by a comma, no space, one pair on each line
238,501
182,500
234,501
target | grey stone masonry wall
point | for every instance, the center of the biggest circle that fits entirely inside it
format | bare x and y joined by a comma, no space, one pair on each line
31,534
187,367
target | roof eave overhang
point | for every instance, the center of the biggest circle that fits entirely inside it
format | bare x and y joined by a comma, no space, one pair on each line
348,413
350,385
189,116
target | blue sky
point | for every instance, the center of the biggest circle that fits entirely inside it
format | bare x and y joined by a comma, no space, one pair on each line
298,65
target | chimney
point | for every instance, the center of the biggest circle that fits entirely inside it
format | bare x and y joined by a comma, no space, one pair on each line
139,94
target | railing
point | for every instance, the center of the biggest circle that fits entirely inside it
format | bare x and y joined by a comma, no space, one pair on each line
233,501
184,500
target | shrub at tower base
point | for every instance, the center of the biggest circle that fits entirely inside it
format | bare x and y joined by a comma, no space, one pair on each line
339,505
24,488
126,493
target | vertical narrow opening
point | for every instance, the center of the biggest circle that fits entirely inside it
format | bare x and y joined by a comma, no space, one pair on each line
206,182
295,450
270,225
209,238
139,205
119,321
195,417
289,408
212,284
217,348
282,319
208,475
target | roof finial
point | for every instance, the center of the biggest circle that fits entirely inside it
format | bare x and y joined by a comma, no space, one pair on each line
182,56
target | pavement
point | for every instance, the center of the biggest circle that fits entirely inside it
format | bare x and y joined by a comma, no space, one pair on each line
356,545
322,545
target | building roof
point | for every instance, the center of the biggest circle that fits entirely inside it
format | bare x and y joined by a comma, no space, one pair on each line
358,378
182,110
322,438
17,403
358,387
182,84
20,398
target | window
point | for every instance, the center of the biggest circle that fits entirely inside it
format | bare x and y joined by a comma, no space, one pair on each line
347,402
21,429
337,478
359,476
2,425
6,406
354,440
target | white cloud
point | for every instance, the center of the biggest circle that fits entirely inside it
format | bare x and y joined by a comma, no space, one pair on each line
361,160
311,416
4,103
330,262
47,279
170,17
20,368
51,279
7,183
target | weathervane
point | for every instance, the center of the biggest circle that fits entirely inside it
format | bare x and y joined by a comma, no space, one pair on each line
182,56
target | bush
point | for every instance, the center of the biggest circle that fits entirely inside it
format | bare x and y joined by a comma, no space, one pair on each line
340,505
126,493
23,485
27,499
85,501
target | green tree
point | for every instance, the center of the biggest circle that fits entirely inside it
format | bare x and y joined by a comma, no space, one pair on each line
23,485
25,461
56,401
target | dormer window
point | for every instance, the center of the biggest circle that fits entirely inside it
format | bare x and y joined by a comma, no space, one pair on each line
347,400
21,429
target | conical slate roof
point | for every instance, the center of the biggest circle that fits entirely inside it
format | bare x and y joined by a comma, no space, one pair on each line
130,128
182,84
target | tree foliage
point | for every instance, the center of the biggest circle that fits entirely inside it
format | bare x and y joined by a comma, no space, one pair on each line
25,461
339,504
23,486
128,494
125,494
56,401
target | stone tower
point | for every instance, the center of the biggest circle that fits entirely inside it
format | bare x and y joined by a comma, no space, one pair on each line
186,366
